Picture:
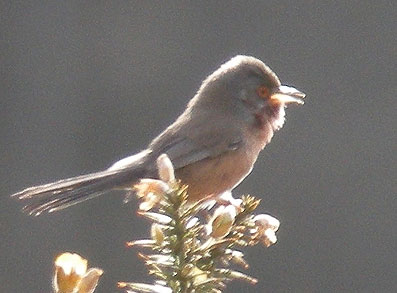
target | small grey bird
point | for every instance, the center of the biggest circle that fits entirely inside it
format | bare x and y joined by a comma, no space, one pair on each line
213,144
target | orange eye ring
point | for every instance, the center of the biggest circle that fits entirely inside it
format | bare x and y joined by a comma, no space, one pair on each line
263,92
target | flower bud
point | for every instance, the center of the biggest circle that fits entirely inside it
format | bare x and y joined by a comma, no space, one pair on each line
222,221
165,168
157,234
238,257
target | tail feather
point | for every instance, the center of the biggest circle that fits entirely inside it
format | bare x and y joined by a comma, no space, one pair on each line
59,186
67,192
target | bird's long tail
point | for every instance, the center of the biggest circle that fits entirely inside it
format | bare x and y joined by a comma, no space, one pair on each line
67,192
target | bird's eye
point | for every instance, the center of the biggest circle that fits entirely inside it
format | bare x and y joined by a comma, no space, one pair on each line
263,92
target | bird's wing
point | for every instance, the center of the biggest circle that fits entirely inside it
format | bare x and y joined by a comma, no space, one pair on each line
188,145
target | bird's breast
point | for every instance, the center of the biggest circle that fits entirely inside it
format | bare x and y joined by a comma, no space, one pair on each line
213,176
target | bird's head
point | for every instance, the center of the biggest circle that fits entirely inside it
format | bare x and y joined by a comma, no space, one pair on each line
245,86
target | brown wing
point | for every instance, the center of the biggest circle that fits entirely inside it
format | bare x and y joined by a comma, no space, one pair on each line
187,141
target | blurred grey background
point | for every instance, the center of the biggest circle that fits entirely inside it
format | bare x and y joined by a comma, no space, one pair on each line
83,84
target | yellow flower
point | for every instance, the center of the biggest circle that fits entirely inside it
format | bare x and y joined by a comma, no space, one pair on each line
71,275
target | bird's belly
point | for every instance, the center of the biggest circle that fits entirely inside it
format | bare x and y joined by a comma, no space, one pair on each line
216,175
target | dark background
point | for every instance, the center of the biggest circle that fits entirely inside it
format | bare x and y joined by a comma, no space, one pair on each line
84,84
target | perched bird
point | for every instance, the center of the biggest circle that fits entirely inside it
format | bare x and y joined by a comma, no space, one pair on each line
213,144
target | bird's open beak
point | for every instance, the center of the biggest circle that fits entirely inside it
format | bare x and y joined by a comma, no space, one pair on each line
287,95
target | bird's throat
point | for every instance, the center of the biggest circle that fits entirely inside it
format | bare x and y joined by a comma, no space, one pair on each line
273,115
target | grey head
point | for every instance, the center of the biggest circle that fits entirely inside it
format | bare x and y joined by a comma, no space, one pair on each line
247,89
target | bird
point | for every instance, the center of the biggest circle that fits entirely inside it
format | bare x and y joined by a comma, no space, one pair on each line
212,145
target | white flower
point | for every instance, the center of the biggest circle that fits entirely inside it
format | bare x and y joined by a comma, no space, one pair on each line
266,226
